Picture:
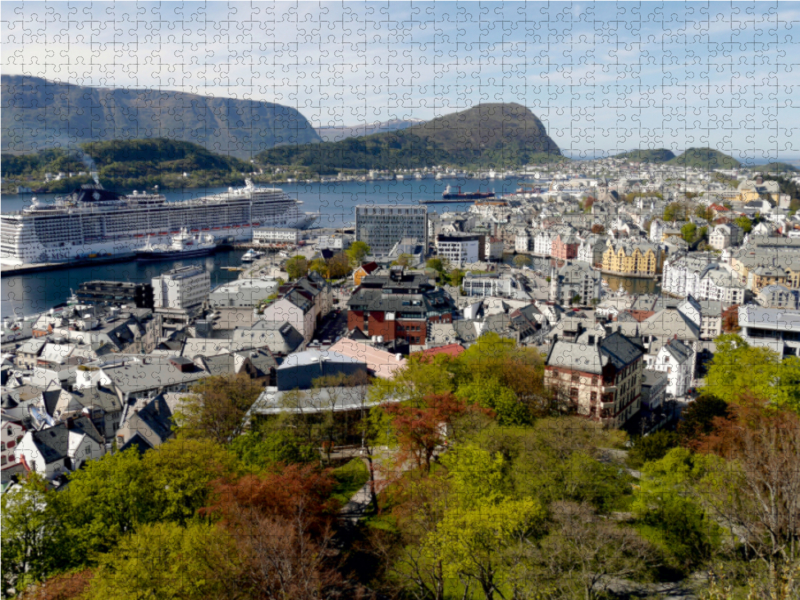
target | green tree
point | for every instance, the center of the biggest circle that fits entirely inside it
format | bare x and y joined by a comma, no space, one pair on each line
404,260
456,277
318,265
265,449
705,213
357,252
522,260
105,500
217,406
651,447
338,266
744,223
675,211
33,542
296,267
167,561
491,394
180,473
689,232
437,264
670,515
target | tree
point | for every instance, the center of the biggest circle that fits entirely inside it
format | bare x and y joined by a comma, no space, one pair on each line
217,407
583,552
264,448
180,473
670,511
357,252
758,455
689,232
675,211
72,585
704,212
420,431
744,223
165,561
403,260
296,267
338,266
318,265
456,277
437,264
33,541
730,319
576,299
738,367
106,500
597,228
522,260
651,447
697,419
492,395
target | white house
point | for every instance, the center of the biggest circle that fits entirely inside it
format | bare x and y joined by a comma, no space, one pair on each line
725,236
12,434
57,450
295,309
676,359
542,243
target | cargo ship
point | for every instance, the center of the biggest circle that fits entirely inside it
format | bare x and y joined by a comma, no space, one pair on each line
449,194
95,221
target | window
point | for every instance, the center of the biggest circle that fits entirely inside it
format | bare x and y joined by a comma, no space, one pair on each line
573,393
576,377
594,397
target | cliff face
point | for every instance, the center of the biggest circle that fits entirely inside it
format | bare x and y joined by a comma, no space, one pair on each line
37,114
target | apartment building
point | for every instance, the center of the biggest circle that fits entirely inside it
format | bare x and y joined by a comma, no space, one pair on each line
632,258
383,227
181,288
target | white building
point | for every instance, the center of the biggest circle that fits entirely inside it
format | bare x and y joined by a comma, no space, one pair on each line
494,248
181,288
242,293
676,359
57,450
773,328
523,241
276,235
543,243
492,284
725,236
778,296
575,278
382,227
459,249
699,275
11,434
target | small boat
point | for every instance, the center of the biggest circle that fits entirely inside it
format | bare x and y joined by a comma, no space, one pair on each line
251,255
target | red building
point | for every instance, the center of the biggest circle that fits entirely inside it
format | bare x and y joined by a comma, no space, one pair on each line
565,248
400,305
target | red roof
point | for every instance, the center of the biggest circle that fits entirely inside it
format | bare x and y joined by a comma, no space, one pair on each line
370,267
719,208
452,350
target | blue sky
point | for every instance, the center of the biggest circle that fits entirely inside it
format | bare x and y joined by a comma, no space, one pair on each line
602,76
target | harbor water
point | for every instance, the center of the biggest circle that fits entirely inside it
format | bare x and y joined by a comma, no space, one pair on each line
31,293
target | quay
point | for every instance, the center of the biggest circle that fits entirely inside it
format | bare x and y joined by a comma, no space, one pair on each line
23,269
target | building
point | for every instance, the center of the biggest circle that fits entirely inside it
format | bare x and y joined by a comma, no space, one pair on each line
574,280
277,235
677,360
461,249
11,435
398,306
632,258
773,328
335,242
565,247
242,293
181,288
601,377
654,389
60,449
778,296
725,236
504,285
300,370
115,293
382,227
494,249
364,270
699,275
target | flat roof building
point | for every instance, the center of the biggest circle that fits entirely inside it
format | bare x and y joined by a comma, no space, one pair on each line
382,227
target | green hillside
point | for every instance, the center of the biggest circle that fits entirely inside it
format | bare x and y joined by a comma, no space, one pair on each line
488,135
127,165
658,155
38,113
705,158
779,167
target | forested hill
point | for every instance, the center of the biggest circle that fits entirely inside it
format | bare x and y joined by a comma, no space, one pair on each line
38,113
658,155
488,135
705,158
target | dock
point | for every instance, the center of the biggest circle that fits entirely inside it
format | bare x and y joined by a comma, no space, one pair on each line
24,269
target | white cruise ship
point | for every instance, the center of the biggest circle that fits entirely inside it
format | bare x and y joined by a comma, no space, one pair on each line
93,222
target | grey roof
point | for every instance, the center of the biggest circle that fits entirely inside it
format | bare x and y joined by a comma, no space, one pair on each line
157,416
336,399
146,373
313,357
679,351
97,397
615,349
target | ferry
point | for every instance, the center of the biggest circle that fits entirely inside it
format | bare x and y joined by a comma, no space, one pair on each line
183,245
94,220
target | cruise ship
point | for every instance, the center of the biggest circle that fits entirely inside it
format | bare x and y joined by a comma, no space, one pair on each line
92,222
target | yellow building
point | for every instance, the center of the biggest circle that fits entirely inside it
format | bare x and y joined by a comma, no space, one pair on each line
631,259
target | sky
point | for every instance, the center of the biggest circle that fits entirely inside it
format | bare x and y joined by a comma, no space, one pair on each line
603,77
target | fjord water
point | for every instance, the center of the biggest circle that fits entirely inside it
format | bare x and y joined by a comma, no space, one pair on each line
24,295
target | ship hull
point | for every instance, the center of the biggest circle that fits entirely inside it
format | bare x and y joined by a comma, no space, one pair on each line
468,196
172,255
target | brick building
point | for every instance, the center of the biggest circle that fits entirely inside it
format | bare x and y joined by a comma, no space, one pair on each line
565,247
600,376
399,305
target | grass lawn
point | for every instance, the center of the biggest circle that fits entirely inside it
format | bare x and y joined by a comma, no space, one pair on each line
350,477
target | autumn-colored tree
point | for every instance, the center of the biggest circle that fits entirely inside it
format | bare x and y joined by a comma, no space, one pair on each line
730,319
598,229
283,527
697,419
421,430
338,266
217,407
760,448
65,586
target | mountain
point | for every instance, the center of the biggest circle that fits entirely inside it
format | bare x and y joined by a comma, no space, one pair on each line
487,135
37,114
335,134
779,167
705,158
659,155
